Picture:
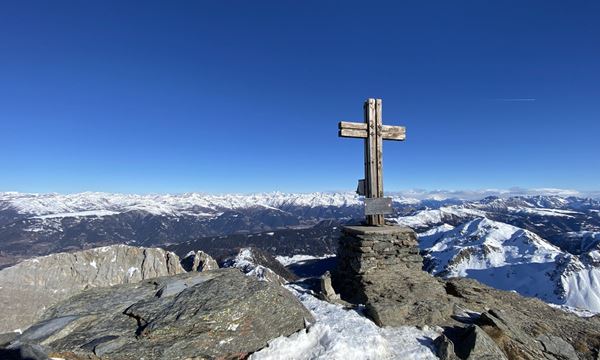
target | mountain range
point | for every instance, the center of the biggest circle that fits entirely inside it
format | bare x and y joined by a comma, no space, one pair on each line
547,246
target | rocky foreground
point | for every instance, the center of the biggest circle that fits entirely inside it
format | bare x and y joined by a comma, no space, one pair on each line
201,315
173,308
122,302
30,287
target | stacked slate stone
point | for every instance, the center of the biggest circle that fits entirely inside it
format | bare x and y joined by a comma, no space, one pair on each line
365,251
381,268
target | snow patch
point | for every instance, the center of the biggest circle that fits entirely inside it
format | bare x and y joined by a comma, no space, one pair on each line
572,310
345,334
544,212
245,262
132,271
289,260
98,213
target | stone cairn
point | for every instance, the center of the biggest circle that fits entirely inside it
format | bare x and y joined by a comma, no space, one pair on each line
381,268
365,251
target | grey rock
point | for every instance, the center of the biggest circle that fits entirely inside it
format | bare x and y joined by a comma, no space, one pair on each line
176,285
444,348
46,328
6,338
327,291
406,298
108,344
30,287
478,345
526,328
24,352
558,347
219,313
198,261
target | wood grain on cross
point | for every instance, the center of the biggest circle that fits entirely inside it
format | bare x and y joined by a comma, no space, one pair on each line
374,132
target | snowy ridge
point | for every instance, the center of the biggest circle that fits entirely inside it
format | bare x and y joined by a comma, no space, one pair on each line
244,261
510,258
206,204
191,203
578,283
483,243
544,211
98,213
428,218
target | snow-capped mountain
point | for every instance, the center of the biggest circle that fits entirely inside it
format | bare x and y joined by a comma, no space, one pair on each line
101,204
39,224
542,246
565,222
510,258
482,244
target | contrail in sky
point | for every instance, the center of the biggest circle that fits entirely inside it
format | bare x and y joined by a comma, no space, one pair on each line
517,99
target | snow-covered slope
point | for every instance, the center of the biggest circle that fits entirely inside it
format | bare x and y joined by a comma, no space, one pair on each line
483,243
337,333
340,334
578,281
510,258
443,215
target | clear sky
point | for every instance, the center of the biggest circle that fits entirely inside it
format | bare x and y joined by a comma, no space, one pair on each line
245,96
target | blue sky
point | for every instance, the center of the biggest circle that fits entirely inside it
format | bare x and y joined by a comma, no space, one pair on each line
244,96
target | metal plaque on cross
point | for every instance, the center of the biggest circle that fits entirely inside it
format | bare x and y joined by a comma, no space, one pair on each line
376,206
373,132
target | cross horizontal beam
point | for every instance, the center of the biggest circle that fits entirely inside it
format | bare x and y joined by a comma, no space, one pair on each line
360,130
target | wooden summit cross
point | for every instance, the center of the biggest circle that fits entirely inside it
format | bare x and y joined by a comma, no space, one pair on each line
374,132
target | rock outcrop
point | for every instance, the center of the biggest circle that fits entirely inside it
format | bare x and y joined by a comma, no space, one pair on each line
261,264
30,287
381,268
197,315
523,328
198,261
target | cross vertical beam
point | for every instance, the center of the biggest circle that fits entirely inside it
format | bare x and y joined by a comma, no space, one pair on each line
373,156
